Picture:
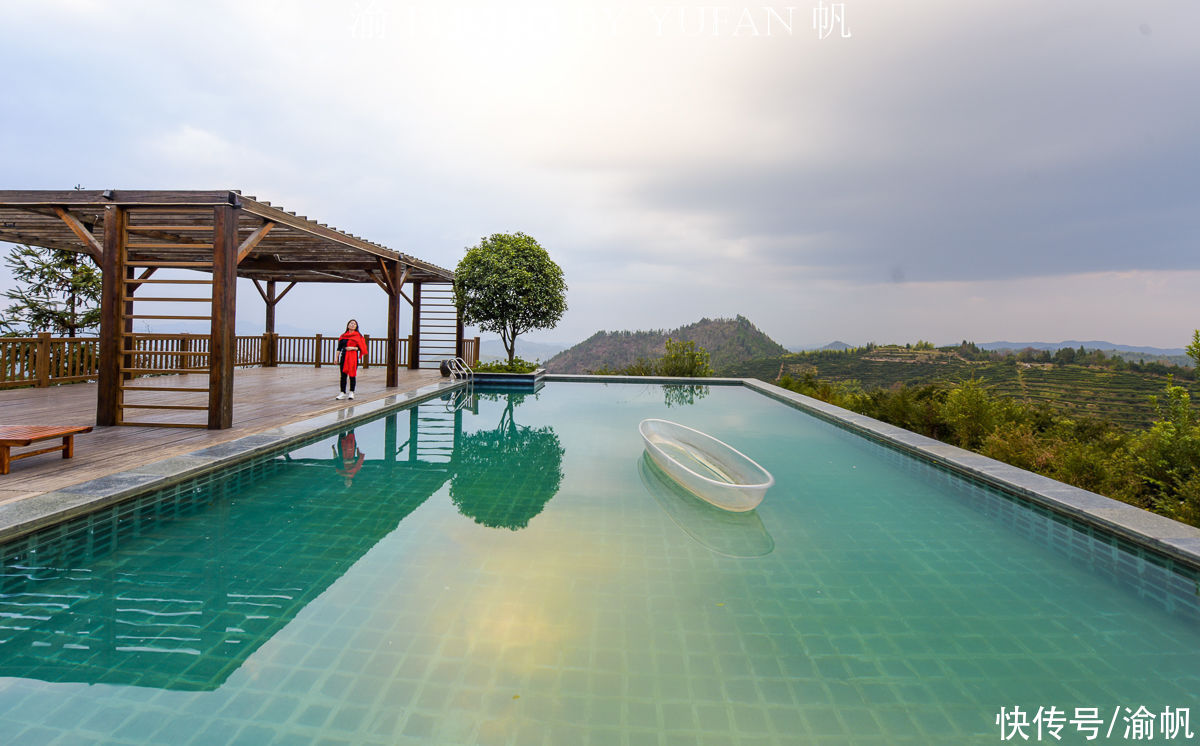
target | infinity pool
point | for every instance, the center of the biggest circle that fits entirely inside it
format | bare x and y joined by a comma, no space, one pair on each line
515,572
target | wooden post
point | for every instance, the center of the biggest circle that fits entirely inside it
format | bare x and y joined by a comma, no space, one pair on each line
42,361
269,328
365,356
222,345
414,341
317,354
393,326
112,269
264,350
458,336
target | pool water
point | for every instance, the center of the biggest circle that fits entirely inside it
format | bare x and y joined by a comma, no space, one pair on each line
518,573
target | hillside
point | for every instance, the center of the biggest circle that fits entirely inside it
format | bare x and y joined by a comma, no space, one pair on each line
1119,395
728,341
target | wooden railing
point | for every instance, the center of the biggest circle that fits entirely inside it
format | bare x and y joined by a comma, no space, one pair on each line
45,360
42,360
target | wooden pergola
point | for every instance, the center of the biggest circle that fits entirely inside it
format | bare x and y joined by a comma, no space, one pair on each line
133,234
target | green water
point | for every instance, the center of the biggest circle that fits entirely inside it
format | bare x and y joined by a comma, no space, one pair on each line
520,575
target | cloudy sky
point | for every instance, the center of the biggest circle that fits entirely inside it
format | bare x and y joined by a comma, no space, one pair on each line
1021,170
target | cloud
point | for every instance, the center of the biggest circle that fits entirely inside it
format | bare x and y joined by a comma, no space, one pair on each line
673,173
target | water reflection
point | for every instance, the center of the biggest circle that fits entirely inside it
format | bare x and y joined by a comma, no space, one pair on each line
177,590
347,458
505,476
730,534
683,395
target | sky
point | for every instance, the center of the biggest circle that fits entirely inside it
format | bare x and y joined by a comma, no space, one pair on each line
862,171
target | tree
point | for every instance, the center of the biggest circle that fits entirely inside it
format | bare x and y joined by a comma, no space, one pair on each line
685,359
508,284
58,291
1193,350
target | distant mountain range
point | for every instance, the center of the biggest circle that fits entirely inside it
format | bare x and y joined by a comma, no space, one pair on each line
1052,346
728,341
1092,345
493,349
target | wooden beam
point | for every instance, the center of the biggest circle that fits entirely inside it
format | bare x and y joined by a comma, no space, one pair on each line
165,236
261,291
285,291
90,245
222,350
385,272
123,197
381,283
108,373
400,284
252,240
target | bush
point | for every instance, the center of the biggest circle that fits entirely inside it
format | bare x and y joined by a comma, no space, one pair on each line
499,366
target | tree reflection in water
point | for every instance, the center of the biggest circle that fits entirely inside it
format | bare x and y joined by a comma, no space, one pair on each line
505,477
682,395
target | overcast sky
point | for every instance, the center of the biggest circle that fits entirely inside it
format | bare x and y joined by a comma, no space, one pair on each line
1021,170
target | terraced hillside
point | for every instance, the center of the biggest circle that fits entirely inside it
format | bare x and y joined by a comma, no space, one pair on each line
1121,396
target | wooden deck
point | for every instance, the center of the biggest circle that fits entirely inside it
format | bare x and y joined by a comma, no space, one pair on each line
263,398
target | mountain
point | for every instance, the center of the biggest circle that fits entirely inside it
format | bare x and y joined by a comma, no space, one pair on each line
493,349
728,341
1076,344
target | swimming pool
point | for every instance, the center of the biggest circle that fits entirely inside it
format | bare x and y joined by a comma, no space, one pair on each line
514,573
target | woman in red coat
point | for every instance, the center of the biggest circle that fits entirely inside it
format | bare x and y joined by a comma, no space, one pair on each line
353,348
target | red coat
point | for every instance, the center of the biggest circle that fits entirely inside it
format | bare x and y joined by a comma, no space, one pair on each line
350,361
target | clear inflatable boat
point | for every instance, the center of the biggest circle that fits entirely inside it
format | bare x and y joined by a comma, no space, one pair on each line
708,468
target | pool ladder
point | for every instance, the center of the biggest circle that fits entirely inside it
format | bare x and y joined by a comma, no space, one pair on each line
463,397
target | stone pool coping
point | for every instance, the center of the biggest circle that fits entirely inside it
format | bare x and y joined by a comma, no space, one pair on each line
22,517
1176,540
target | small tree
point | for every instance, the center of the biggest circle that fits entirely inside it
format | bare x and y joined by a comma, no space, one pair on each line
684,359
58,291
1193,350
508,284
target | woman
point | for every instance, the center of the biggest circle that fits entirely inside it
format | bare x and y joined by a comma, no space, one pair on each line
352,347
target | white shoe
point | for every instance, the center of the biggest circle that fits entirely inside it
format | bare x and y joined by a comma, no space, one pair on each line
351,394
341,395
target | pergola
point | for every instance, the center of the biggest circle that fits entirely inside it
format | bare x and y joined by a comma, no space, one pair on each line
133,234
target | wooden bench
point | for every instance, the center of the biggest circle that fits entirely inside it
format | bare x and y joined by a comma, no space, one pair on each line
23,436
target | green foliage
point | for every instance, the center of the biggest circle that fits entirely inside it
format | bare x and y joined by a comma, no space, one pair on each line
58,291
517,365
1088,387
971,414
1168,455
1193,350
684,359
508,284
